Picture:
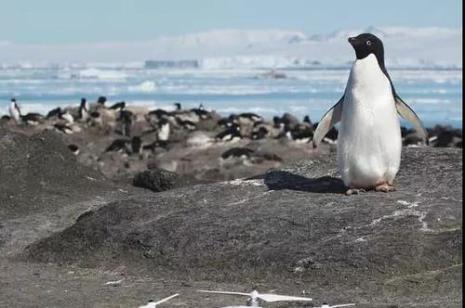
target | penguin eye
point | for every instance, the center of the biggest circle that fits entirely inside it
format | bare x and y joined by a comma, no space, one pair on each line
369,43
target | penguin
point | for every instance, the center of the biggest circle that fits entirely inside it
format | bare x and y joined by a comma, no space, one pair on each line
178,106
163,133
74,149
67,117
83,110
64,128
260,133
154,145
101,100
201,112
231,134
125,118
308,121
15,112
119,145
118,106
30,118
242,153
54,113
136,145
369,141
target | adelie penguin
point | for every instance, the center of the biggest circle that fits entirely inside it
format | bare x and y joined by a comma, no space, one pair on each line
369,142
83,111
30,118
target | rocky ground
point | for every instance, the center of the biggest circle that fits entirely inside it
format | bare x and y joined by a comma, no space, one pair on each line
66,230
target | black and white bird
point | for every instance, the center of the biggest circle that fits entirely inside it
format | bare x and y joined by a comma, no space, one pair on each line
74,149
83,111
369,142
15,111
230,134
163,133
102,100
233,153
119,145
118,106
54,113
125,118
64,128
30,118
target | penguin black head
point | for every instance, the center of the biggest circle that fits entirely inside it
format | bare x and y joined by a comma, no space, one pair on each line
162,122
101,100
366,44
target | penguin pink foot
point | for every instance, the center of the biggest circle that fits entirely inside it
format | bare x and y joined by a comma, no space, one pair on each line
385,187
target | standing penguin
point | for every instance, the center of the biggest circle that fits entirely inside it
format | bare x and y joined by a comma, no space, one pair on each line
369,145
15,112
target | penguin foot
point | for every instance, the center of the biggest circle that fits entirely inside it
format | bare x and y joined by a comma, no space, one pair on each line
385,187
354,191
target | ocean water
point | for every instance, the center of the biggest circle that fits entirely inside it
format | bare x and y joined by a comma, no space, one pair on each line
436,95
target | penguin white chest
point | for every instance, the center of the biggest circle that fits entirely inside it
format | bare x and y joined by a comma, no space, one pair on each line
369,144
14,112
164,132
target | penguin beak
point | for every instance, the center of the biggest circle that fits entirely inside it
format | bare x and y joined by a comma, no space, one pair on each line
352,40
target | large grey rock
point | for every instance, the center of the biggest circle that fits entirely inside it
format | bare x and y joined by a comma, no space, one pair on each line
39,173
294,226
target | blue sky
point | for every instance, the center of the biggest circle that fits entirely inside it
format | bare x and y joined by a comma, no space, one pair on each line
67,21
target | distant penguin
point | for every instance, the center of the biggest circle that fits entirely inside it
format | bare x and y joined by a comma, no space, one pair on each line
54,113
74,149
136,145
118,106
163,132
119,145
308,121
30,118
201,112
126,119
261,133
186,124
178,106
369,142
15,112
83,111
231,134
67,117
250,116
64,128
101,100
237,153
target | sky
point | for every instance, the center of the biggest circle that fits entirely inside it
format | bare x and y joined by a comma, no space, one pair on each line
67,21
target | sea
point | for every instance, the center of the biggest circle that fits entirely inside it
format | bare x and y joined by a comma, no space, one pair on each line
434,94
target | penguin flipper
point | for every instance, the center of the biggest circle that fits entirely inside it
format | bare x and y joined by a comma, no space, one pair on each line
407,113
331,117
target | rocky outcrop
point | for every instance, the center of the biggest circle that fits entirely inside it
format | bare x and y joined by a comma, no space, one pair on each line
39,173
293,224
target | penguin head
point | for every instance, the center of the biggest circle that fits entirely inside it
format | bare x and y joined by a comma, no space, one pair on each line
366,44
102,100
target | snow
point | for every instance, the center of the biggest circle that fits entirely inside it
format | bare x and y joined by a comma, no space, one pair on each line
405,47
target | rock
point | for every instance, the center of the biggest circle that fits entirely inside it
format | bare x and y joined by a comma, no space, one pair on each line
156,179
294,226
39,173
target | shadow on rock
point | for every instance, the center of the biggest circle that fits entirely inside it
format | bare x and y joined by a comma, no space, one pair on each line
278,180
